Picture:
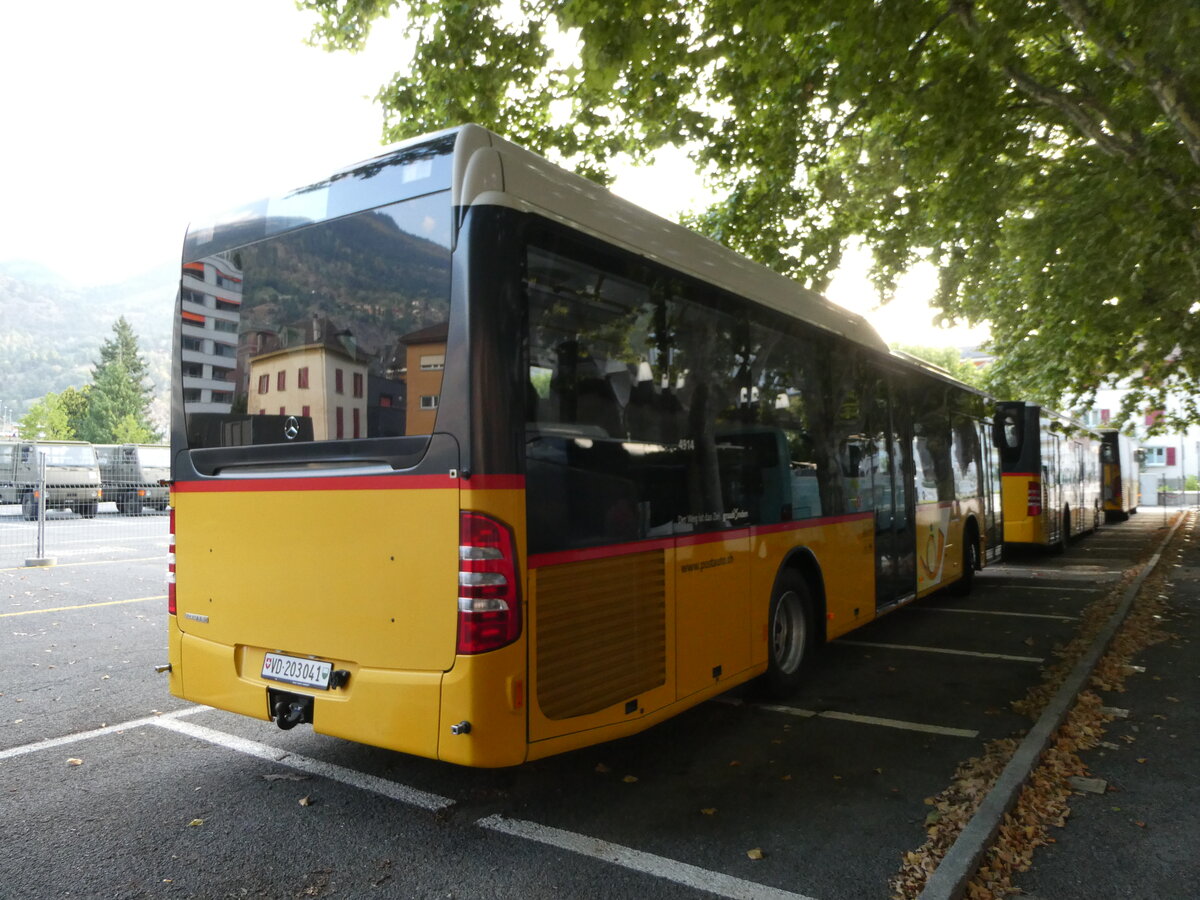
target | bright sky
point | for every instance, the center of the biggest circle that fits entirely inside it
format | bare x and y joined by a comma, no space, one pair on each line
126,119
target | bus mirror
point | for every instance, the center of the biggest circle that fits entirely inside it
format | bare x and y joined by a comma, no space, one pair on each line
1006,430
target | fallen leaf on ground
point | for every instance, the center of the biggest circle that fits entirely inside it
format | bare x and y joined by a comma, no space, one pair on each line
74,762
755,853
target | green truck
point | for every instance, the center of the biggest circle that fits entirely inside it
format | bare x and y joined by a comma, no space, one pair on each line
134,476
72,476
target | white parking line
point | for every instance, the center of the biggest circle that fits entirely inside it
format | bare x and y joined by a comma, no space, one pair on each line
869,720
361,780
638,861
1021,586
993,612
50,743
946,650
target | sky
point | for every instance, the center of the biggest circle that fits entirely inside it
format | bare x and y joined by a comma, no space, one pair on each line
126,119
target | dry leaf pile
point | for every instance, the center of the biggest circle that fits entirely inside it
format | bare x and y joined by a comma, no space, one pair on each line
1045,799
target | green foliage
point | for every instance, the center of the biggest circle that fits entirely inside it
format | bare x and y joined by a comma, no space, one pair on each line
118,400
122,349
113,409
74,402
1046,155
951,360
115,406
48,419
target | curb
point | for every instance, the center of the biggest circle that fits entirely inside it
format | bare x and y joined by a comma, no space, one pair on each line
949,880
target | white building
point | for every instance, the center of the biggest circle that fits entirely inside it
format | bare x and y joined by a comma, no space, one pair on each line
1170,459
211,312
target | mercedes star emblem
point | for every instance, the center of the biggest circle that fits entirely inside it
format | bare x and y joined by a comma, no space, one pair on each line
291,428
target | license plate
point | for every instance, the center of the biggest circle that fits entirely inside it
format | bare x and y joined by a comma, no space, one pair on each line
294,670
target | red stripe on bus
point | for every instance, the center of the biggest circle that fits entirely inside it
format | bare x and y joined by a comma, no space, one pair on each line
494,483
801,524
538,560
1020,475
710,537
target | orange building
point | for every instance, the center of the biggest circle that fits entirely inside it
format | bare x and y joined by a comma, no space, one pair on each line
425,358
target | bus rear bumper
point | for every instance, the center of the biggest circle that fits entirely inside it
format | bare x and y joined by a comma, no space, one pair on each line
397,710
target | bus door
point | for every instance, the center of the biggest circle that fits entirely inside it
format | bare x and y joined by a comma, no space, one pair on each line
992,516
895,519
1052,489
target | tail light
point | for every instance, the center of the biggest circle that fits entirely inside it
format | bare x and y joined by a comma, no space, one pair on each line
489,600
1034,507
171,565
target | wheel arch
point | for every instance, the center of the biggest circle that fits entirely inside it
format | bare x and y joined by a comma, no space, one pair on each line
802,561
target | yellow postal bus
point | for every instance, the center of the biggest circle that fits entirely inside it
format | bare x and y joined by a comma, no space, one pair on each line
1051,475
1119,466
476,461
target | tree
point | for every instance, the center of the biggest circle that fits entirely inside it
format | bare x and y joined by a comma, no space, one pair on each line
122,347
1045,154
118,400
950,359
48,419
75,403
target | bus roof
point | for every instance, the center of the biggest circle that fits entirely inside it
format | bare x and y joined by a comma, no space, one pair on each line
490,170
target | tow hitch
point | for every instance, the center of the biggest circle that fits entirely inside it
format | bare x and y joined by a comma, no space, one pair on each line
290,710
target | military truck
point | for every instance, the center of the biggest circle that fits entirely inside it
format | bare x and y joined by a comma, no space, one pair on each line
72,476
133,475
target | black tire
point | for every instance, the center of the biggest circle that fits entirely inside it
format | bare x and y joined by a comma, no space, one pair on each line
791,633
29,507
970,563
88,510
129,505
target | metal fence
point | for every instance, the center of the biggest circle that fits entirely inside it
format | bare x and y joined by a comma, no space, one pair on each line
43,521
1175,491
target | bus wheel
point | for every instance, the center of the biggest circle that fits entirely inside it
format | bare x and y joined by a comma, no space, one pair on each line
88,510
790,630
28,508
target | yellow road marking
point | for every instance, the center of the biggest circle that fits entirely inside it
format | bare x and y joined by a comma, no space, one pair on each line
30,612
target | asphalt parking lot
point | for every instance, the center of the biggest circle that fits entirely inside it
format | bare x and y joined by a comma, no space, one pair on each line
110,787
